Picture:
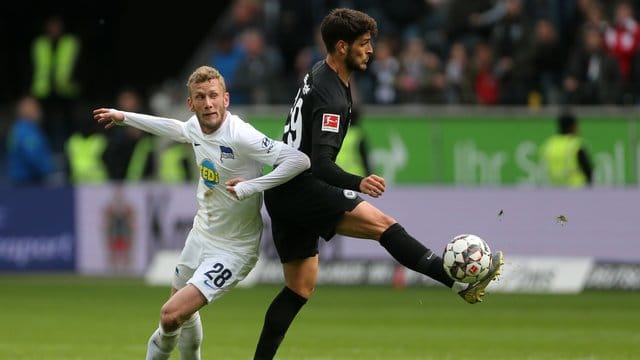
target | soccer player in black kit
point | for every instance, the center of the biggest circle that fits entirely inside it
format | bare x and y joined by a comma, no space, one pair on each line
324,200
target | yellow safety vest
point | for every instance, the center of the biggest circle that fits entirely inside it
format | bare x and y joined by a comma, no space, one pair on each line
349,156
560,155
53,67
139,157
85,158
171,164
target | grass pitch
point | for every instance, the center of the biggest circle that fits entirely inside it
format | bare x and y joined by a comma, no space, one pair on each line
69,317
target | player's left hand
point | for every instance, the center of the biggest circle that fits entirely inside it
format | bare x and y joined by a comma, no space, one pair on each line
230,185
372,185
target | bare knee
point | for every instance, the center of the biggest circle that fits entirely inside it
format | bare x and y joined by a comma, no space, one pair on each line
304,290
170,319
300,276
385,222
302,284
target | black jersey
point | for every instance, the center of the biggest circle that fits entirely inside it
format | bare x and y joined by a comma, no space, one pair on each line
311,204
320,113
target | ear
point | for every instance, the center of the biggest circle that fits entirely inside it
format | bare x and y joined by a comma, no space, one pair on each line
342,47
190,105
226,99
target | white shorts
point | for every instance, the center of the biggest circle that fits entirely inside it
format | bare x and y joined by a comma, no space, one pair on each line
212,270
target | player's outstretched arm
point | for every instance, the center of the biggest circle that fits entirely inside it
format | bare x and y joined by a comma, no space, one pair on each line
160,126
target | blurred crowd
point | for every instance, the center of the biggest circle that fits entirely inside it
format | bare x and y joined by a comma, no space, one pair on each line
488,52
481,52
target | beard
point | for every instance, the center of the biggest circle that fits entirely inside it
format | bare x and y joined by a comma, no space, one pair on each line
352,64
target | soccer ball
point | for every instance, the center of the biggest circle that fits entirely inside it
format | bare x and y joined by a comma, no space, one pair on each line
467,258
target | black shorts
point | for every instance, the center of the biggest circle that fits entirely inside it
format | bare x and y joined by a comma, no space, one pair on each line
304,209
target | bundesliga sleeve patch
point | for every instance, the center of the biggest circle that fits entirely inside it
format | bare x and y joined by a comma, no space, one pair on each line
330,122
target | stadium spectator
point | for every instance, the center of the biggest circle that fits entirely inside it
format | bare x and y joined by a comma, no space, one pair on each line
304,60
294,25
593,13
512,42
486,87
565,157
436,80
622,39
547,64
175,164
384,69
226,55
221,48
431,26
458,71
412,73
565,16
257,76
420,78
129,153
489,17
593,75
222,247
403,18
459,26
323,202
85,155
241,16
288,28
589,14
585,13
54,56
30,160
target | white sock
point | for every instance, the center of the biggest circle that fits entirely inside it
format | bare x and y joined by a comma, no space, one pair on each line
161,344
190,338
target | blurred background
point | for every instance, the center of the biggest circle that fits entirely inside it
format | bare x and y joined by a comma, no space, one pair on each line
463,109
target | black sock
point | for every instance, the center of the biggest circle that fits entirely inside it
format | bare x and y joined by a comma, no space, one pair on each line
281,312
412,254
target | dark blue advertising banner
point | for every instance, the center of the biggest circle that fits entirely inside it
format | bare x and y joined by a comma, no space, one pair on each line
37,230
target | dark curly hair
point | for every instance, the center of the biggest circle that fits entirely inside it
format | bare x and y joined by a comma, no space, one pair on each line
347,25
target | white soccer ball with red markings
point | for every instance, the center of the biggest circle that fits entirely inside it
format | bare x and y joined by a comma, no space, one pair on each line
467,258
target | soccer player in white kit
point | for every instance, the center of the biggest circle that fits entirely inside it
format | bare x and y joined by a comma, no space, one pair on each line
223,244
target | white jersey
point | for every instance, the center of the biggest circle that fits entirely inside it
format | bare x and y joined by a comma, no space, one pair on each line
235,150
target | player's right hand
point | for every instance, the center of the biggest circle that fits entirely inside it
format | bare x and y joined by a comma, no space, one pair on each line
230,185
109,116
372,185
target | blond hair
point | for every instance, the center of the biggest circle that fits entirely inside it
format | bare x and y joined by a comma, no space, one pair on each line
205,73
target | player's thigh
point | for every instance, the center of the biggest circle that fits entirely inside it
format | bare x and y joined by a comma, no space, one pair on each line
189,259
293,242
365,221
218,273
